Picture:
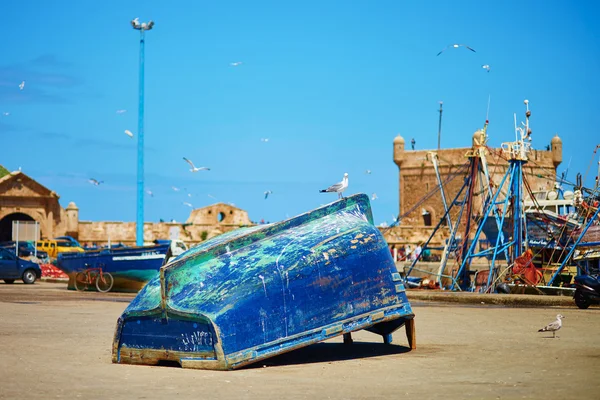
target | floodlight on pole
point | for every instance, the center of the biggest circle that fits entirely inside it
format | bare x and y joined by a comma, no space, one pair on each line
139,228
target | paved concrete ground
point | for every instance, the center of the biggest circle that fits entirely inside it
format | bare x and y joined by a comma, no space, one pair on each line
56,344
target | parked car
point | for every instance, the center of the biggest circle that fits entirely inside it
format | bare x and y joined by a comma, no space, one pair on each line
69,239
13,268
26,249
53,247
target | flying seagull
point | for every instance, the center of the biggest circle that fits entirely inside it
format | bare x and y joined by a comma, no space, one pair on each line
267,193
6,113
175,188
553,326
22,85
264,139
368,172
338,187
374,196
235,64
128,133
194,168
121,111
486,67
456,46
150,193
188,204
95,182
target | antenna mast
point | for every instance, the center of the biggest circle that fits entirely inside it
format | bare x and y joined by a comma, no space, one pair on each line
440,126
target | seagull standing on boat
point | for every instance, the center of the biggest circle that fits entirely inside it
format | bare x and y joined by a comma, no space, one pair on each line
553,326
194,168
338,187
456,46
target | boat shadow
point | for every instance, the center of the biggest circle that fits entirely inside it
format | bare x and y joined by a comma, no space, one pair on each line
329,352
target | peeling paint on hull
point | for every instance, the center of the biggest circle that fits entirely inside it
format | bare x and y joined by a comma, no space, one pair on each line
258,292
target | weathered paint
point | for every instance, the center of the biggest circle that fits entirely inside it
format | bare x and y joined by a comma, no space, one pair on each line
257,292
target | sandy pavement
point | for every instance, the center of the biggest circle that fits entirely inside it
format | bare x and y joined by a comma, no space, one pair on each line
56,344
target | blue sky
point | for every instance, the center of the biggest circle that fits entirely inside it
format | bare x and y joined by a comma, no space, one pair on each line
330,83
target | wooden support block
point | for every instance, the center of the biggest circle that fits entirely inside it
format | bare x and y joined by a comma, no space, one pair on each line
348,338
387,339
410,333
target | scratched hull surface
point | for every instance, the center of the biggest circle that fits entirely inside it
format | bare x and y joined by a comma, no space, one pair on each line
131,267
262,291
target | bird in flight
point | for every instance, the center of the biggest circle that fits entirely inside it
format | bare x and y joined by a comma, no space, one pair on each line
235,64
368,172
267,193
486,67
22,85
175,188
95,182
6,113
194,168
456,46
121,111
149,192
337,187
188,204
264,140
374,196
128,133
553,326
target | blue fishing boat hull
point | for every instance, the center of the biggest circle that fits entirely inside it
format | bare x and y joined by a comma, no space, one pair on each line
258,292
131,267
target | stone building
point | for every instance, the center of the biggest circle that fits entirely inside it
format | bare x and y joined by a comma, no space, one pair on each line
24,199
417,179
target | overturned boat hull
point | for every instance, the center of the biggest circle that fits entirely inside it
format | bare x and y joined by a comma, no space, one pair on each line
131,267
258,292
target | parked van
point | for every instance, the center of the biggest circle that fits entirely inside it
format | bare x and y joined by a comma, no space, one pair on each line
53,247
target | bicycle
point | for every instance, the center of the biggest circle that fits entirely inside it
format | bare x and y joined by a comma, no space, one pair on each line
103,280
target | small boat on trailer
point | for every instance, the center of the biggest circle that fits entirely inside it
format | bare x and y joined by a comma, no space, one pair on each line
131,267
257,292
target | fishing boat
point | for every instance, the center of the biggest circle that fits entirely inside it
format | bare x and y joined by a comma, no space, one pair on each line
257,292
130,267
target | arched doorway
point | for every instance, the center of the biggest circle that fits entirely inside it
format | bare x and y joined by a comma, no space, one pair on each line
6,224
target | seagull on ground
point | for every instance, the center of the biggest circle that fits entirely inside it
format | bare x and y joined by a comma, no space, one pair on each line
553,326
264,140
456,46
188,204
486,67
235,64
194,168
22,85
368,172
95,182
267,193
374,196
128,133
121,111
338,187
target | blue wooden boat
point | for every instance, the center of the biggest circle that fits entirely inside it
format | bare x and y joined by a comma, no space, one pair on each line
131,267
257,292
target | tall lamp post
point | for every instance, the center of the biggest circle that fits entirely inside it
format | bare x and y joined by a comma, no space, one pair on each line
139,225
